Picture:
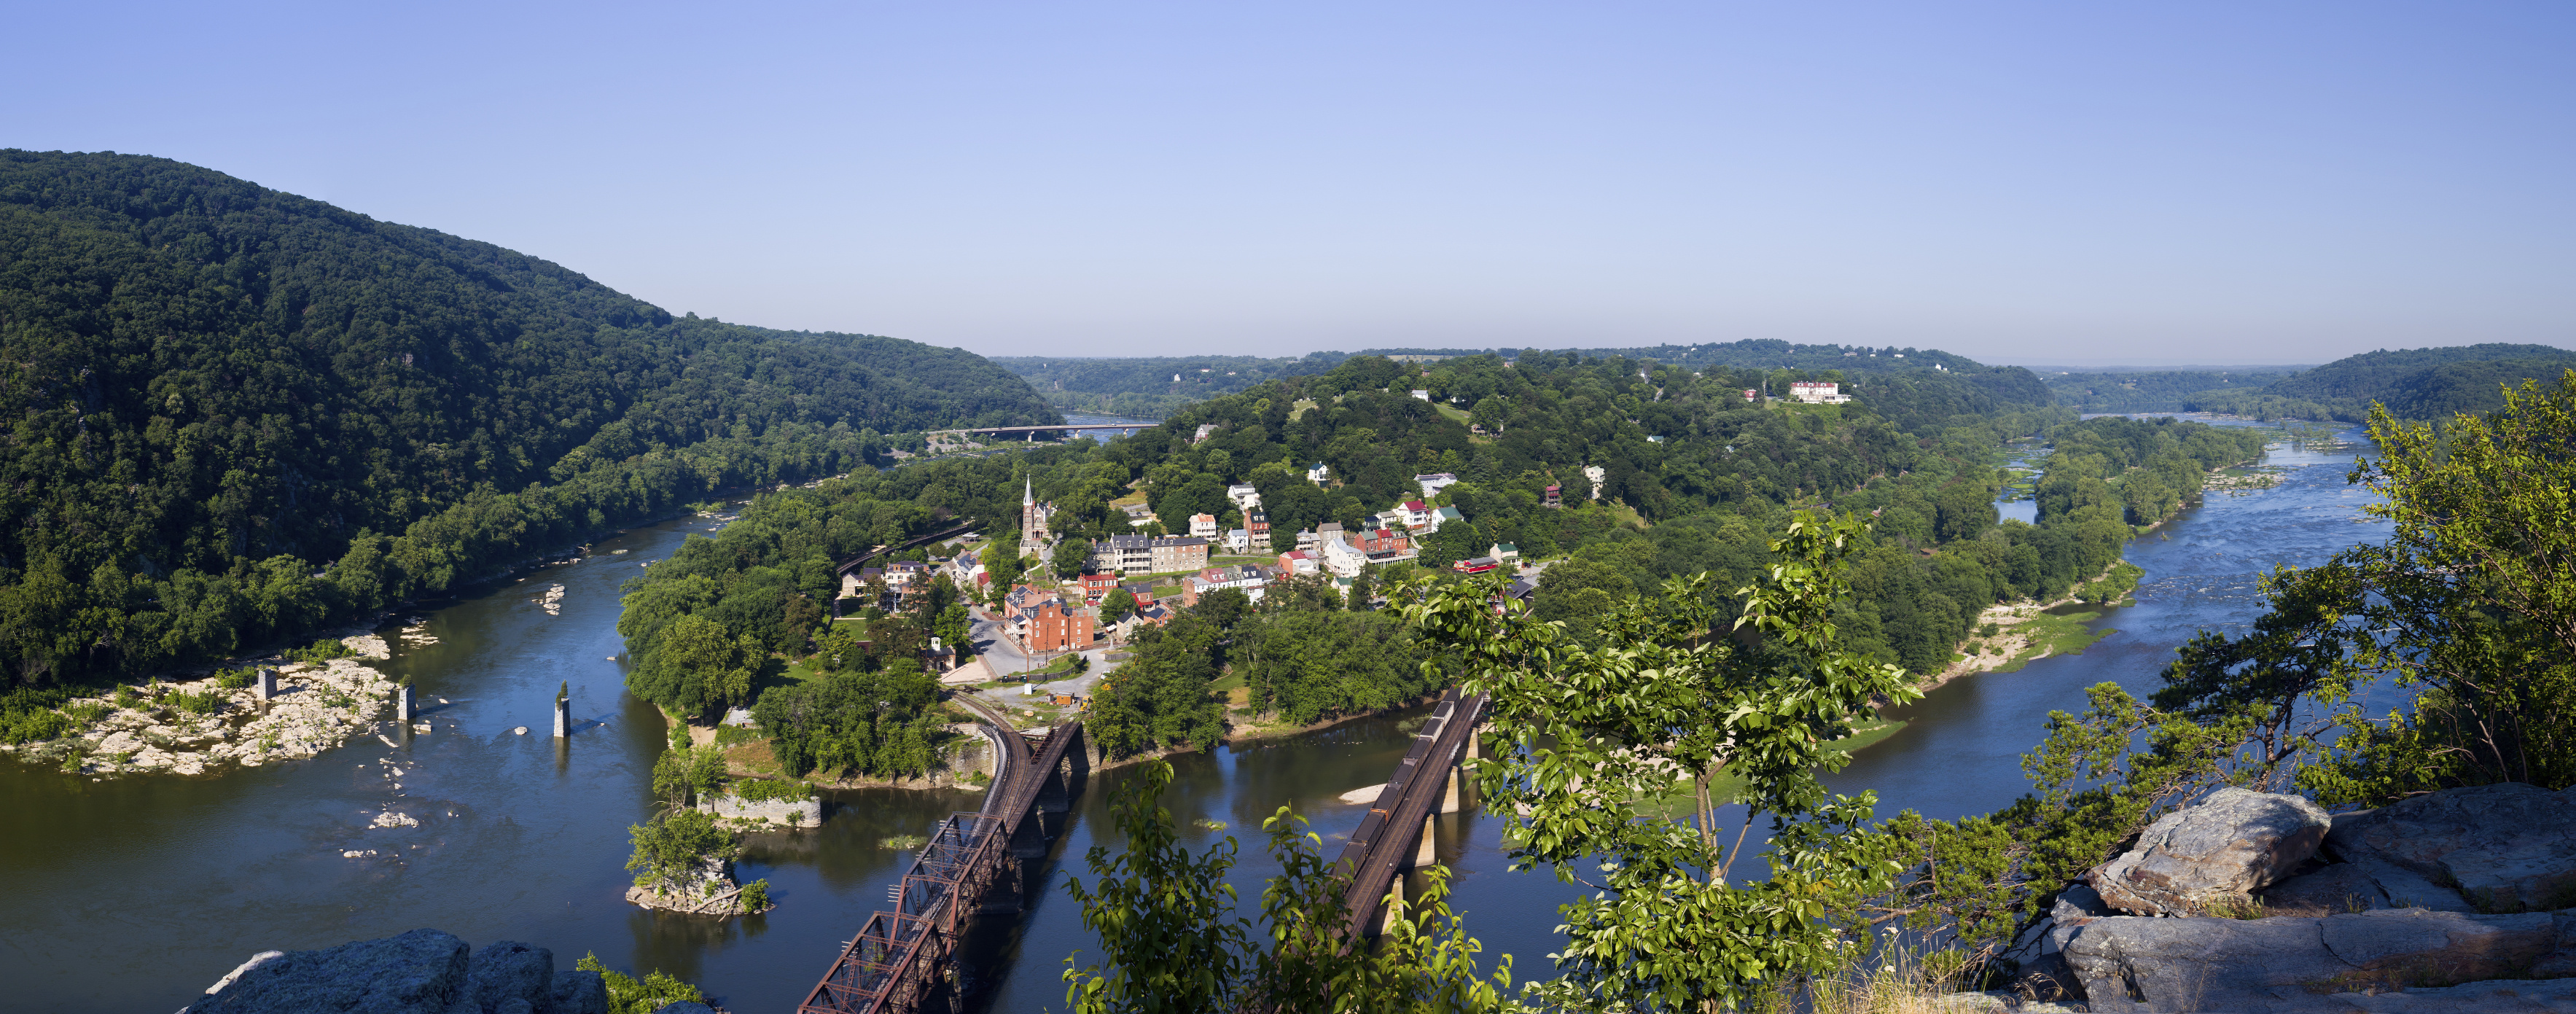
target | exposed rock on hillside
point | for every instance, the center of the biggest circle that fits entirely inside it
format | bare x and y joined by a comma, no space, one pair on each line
2229,846
2507,848
420,972
2302,964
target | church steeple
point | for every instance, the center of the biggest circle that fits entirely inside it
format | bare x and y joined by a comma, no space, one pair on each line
1028,492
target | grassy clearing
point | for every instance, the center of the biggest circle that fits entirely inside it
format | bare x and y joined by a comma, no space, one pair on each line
1059,667
1451,412
2052,633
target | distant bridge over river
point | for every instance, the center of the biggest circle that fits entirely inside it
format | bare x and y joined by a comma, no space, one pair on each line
1032,431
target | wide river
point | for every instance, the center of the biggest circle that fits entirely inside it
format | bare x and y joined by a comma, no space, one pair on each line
134,894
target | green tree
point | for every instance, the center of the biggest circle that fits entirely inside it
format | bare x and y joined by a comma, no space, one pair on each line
2468,604
673,849
1117,605
1587,739
1162,917
1070,557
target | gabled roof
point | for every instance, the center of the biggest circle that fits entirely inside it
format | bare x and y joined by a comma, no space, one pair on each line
1450,514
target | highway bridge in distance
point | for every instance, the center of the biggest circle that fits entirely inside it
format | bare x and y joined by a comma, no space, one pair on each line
1033,431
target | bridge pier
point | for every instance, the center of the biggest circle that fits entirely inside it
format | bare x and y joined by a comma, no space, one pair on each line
1428,852
1055,794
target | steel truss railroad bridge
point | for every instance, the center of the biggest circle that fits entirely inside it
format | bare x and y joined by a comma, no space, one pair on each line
899,961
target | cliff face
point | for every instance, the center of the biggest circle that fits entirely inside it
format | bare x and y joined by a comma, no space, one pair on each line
420,972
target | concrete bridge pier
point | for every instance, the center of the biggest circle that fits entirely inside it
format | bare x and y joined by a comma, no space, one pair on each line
1055,794
1029,840
1428,852
563,718
266,684
405,706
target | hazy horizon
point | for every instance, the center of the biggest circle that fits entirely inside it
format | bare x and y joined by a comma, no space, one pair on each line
2191,184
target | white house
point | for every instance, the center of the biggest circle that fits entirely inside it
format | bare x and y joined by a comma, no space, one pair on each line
1422,394
1203,526
1433,483
1818,392
1444,516
1598,475
1341,559
1239,540
1245,497
1318,472
1414,513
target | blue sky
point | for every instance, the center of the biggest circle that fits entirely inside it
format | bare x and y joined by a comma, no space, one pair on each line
2020,182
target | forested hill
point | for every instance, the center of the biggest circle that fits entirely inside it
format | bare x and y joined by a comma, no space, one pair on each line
1930,384
218,388
1151,388
2429,383
2151,390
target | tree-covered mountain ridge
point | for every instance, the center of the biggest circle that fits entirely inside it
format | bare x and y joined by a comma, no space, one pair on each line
2420,384
218,388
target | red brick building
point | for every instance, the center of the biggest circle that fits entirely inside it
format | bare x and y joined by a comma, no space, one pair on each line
1057,626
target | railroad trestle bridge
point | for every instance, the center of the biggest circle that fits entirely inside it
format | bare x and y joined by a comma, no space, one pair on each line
900,961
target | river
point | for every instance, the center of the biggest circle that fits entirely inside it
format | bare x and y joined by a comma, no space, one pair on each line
133,894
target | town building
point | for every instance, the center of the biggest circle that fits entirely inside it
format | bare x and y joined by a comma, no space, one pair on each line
1299,561
1504,552
1094,586
1173,553
1033,515
1205,431
1133,554
1422,394
1444,516
1245,496
1598,475
1752,395
1203,526
1412,514
1238,541
1818,392
1055,625
1319,473
1555,496
1252,580
1433,483
1475,565
1258,524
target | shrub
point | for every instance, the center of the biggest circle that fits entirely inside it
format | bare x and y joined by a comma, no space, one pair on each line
196,704
755,896
763,790
627,996
669,849
323,650
84,714
234,679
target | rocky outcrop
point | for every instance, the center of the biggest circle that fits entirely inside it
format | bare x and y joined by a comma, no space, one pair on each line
2315,964
2360,887
420,972
2222,850
2506,848
778,814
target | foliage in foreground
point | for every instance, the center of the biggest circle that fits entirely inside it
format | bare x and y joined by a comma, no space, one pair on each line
1161,914
627,996
1583,738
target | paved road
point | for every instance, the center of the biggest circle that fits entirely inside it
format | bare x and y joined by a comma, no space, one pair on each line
997,649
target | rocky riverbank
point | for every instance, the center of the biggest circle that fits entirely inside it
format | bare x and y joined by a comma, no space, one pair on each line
188,727
420,972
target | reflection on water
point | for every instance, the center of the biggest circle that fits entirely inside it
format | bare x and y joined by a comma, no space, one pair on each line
134,894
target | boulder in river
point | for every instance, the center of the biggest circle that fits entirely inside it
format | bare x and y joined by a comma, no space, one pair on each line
420,972
2222,849
2507,848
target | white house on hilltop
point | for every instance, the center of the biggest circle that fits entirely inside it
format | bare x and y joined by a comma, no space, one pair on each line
1818,392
